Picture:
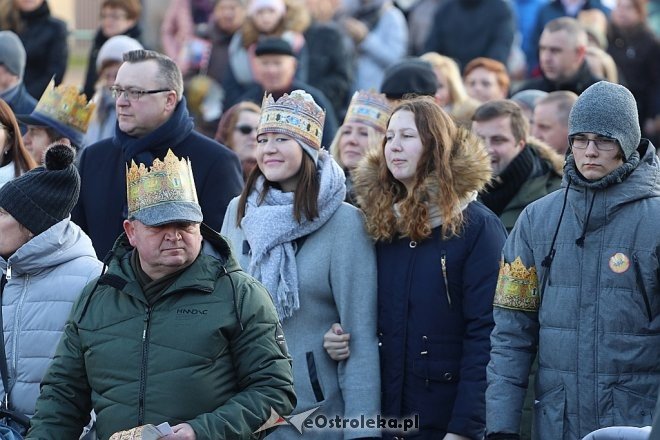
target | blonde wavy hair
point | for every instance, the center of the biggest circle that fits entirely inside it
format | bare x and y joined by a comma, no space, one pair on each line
375,140
434,183
296,19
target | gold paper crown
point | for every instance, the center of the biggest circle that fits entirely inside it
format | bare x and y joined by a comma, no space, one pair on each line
170,180
296,115
517,287
66,106
369,107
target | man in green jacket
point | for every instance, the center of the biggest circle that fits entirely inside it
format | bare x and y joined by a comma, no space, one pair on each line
174,331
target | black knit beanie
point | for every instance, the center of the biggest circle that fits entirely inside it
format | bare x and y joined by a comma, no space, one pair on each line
46,195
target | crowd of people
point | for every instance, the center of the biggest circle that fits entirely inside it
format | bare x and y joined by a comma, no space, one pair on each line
297,217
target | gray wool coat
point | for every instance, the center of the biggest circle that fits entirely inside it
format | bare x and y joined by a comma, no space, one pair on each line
337,283
597,328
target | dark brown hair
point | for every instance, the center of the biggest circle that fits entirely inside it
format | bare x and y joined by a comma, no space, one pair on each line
133,8
504,107
18,154
306,194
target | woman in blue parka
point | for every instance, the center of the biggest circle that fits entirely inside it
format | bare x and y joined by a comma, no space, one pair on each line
438,252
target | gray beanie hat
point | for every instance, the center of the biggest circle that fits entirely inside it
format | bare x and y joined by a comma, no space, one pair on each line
46,195
610,110
12,53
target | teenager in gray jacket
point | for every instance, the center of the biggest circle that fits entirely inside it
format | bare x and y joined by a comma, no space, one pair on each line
46,260
579,284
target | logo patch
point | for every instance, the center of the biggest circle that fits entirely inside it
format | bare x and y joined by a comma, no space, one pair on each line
619,263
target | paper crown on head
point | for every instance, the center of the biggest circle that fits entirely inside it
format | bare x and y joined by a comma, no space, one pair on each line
164,193
369,107
64,110
295,115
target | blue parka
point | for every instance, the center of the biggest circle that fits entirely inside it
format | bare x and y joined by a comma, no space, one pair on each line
435,302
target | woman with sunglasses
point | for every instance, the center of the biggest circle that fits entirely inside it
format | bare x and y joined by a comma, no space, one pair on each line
237,130
14,158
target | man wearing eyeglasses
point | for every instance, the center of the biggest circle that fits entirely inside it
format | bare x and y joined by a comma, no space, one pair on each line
151,118
579,283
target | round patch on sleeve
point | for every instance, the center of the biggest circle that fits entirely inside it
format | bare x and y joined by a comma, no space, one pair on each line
619,262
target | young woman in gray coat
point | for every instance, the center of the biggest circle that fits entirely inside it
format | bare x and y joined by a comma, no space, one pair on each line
292,230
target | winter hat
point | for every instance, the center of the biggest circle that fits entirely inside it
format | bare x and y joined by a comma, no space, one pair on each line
609,110
295,115
114,48
273,46
46,195
12,53
412,76
528,98
277,5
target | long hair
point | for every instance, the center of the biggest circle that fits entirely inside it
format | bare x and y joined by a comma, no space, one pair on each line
306,194
10,17
22,159
433,184
374,141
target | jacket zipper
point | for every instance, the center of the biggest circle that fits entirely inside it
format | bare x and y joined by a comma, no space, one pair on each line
8,275
443,264
143,366
642,287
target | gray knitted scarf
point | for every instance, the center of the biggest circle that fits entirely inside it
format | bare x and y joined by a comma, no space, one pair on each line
270,229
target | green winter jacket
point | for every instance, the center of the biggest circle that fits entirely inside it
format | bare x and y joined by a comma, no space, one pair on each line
208,352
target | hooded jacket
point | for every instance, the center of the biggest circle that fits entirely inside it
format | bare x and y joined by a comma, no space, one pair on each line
205,352
44,277
435,302
596,326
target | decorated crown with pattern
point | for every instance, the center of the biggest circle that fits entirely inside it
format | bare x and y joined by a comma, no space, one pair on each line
295,115
167,181
65,109
369,107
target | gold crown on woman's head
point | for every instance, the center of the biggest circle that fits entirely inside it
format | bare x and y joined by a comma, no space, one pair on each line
295,115
164,193
369,107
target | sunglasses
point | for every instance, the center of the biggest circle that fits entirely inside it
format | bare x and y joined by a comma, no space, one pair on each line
245,129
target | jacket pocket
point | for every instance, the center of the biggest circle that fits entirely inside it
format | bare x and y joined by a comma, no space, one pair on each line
314,377
632,408
549,414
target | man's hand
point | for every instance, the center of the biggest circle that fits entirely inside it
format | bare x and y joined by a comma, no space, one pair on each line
182,431
335,342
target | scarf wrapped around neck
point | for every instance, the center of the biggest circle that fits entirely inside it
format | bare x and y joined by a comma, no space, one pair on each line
271,229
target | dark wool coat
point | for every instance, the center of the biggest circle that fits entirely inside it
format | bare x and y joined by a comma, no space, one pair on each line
102,206
45,41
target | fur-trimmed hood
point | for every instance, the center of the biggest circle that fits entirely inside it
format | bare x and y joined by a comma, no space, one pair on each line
548,154
470,165
389,211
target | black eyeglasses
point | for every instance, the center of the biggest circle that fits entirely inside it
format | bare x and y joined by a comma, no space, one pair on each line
245,129
133,94
581,142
